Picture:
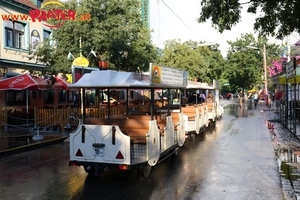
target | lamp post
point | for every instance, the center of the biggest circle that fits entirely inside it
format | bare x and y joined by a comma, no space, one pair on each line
265,70
4,71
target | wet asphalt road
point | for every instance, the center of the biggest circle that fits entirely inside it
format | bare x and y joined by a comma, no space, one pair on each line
232,160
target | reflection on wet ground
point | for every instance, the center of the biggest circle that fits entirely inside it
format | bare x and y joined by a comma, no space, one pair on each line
289,166
286,147
237,111
190,172
16,138
287,150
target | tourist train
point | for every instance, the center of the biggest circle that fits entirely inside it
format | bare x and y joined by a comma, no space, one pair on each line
158,112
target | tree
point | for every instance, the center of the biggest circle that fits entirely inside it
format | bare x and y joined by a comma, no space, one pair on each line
201,62
245,64
278,17
113,29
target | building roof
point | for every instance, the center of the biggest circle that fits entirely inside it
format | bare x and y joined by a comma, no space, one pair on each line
27,3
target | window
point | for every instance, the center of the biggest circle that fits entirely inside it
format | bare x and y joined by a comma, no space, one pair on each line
90,97
47,37
49,96
15,98
14,34
36,94
62,96
39,3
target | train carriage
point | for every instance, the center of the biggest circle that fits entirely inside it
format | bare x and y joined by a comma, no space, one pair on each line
130,140
198,113
140,136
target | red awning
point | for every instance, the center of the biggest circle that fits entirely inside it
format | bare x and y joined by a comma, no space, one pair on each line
26,81
62,81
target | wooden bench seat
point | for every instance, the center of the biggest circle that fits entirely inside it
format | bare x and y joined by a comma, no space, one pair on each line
210,106
175,119
136,129
190,111
200,108
139,116
161,122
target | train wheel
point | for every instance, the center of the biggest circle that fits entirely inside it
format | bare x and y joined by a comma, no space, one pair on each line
88,169
145,171
176,151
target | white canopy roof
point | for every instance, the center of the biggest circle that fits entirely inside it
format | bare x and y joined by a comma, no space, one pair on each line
198,85
115,79
119,79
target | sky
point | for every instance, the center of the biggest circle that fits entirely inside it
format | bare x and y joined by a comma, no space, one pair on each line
167,26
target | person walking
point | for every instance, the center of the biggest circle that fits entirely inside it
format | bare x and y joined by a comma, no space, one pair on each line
242,99
250,97
278,97
255,99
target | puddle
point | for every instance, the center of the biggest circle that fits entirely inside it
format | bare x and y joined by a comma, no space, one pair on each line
289,163
10,139
289,168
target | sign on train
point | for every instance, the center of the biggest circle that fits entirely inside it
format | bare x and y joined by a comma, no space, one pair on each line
161,75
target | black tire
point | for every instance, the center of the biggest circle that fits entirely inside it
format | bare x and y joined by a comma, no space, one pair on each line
74,124
145,171
176,151
88,169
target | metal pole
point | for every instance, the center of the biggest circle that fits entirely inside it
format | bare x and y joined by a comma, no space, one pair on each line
80,46
265,78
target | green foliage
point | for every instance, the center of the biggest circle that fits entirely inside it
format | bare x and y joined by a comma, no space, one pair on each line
245,61
115,32
201,62
277,17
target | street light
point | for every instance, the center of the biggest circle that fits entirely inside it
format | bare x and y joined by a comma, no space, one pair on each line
4,71
265,70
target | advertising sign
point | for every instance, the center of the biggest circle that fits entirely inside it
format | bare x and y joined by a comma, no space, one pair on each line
45,13
161,75
290,72
81,61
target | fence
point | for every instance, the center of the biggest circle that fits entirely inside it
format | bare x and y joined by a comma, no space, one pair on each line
3,118
59,117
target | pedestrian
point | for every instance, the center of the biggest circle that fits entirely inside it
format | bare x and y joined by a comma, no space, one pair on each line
278,97
228,96
241,97
255,99
250,97
202,95
210,97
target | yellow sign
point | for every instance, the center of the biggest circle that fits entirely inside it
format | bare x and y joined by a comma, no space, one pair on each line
81,62
69,76
156,74
282,79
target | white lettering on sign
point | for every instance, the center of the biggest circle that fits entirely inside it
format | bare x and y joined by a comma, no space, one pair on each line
12,84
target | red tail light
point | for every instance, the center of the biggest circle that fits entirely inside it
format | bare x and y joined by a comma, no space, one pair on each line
123,167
